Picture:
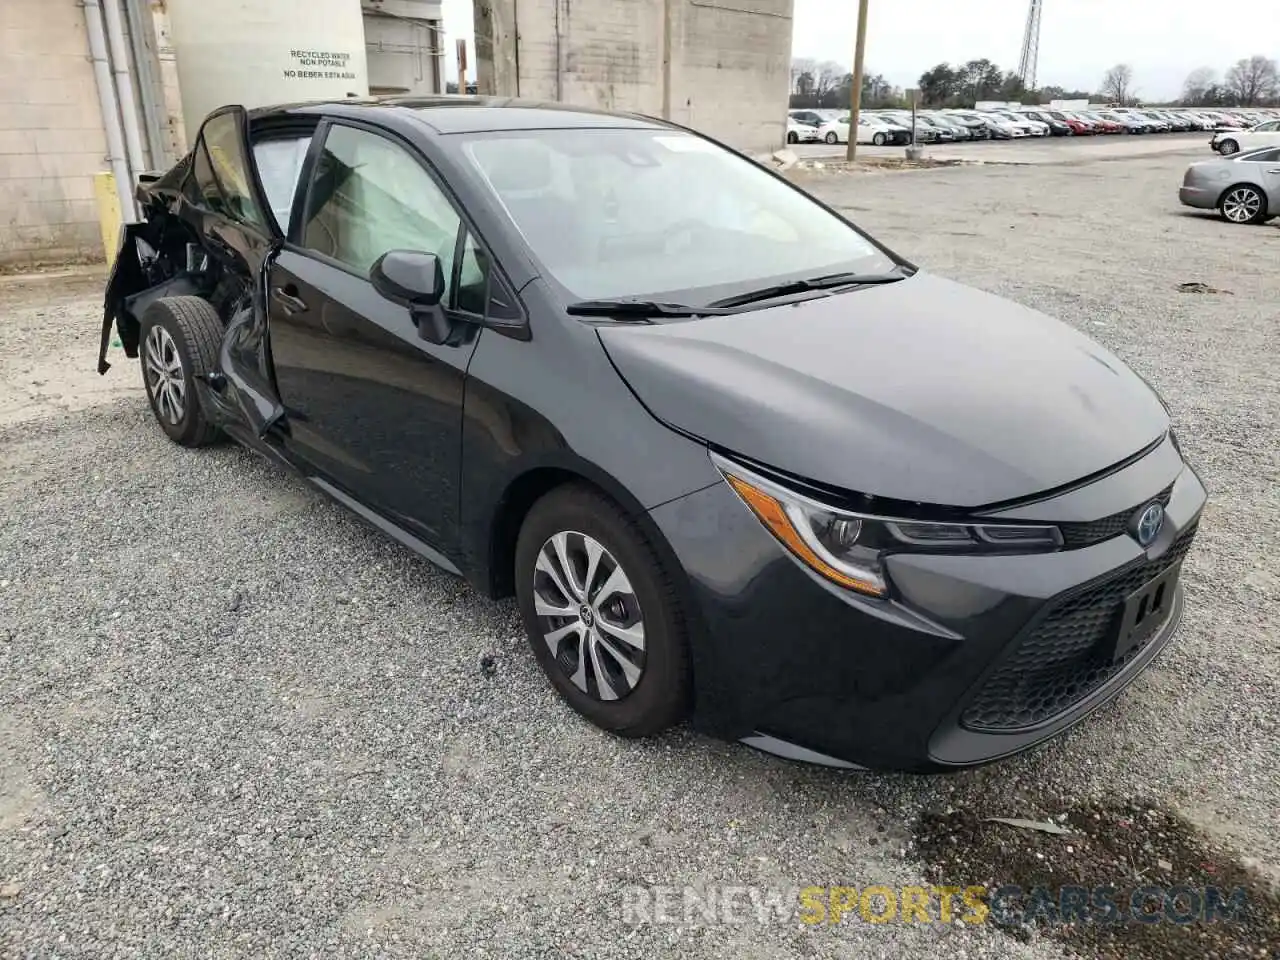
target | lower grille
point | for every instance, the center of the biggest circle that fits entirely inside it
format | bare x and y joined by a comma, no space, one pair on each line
1063,657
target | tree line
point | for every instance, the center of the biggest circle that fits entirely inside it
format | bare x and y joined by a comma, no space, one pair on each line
1251,82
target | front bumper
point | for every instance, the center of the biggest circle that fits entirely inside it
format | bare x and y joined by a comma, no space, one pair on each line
976,657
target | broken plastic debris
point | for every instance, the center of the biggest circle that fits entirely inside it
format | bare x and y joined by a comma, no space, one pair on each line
1044,826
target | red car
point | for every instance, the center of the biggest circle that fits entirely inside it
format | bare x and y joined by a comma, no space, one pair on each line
1081,128
1104,125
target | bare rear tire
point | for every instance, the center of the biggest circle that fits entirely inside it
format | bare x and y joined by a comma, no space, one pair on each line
178,343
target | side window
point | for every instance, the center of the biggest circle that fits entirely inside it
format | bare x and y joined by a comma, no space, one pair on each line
1265,156
369,195
279,160
473,278
222,172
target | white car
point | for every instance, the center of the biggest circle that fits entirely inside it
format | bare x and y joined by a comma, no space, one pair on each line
1006,127
872,130
801,132
1227,142
1033,126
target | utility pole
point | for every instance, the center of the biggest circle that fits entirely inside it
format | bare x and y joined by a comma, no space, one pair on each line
855,95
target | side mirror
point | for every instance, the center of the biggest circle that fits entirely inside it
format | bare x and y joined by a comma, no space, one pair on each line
415,280
409,277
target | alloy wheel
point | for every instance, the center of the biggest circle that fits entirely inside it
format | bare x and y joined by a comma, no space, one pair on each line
1228,147
1242,205
589,615
164,375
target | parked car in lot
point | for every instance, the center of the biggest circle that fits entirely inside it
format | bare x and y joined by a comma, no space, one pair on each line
1103,123
606,365
871,130
800,131
1244,187
959,131
978,129
1127,121
1032,128
925,132
812,117
998,127
880,131
1057,128
1078,124
1263,135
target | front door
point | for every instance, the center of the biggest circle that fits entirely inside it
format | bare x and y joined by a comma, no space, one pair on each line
371,405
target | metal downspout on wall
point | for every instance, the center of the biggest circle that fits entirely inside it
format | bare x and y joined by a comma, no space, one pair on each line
150,92
110,108
125,96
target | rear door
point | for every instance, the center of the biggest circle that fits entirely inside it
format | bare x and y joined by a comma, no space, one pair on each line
223,198
372,406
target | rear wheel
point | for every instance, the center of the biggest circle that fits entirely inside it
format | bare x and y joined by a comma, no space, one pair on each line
878,139
791,137
1243,204
179,339
602,614
1228,147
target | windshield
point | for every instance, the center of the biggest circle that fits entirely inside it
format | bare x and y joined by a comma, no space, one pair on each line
660,214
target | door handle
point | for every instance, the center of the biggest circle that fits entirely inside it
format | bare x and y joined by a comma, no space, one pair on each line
287,297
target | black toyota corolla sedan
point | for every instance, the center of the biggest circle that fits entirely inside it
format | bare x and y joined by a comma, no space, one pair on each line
736,459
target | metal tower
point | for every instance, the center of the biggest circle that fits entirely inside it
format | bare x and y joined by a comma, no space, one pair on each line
1030,47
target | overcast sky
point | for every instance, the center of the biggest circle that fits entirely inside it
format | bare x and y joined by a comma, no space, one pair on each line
1163,40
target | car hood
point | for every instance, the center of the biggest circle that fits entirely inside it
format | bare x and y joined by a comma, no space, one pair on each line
922,390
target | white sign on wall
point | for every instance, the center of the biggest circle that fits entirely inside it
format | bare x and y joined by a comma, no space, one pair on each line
257,53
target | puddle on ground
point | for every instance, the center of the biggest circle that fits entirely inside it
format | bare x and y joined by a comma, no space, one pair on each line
1131,880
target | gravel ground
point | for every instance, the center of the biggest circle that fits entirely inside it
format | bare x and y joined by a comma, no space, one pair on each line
235,722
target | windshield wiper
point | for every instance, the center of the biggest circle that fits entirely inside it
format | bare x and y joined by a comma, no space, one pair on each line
826,282
640,309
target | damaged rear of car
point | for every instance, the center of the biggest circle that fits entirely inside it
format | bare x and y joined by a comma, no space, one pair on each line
194,260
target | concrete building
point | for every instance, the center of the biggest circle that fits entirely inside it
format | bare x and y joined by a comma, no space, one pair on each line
722,67
91,86
119,86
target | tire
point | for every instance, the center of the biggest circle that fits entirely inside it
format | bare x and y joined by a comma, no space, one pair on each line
642,705
178,343
792,138
878,139
832,138
1243,203
1228,147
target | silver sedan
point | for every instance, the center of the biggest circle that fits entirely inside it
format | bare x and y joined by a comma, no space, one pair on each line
1244,188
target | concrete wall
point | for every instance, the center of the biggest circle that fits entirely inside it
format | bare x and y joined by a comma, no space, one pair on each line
260,52
51,138
404,46
720,66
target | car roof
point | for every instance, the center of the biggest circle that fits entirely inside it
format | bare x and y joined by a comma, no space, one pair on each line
465,114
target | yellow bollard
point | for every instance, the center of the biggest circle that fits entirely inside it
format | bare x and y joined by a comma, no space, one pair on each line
110,217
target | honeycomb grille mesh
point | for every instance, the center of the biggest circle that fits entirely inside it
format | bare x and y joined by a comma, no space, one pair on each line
1086,534
1063,658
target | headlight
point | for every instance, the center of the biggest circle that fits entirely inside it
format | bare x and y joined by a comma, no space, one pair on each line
849,548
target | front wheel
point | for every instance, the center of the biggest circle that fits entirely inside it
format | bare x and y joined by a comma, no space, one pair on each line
179,343
602,613
1228,147
1243,204
878,139
832,138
